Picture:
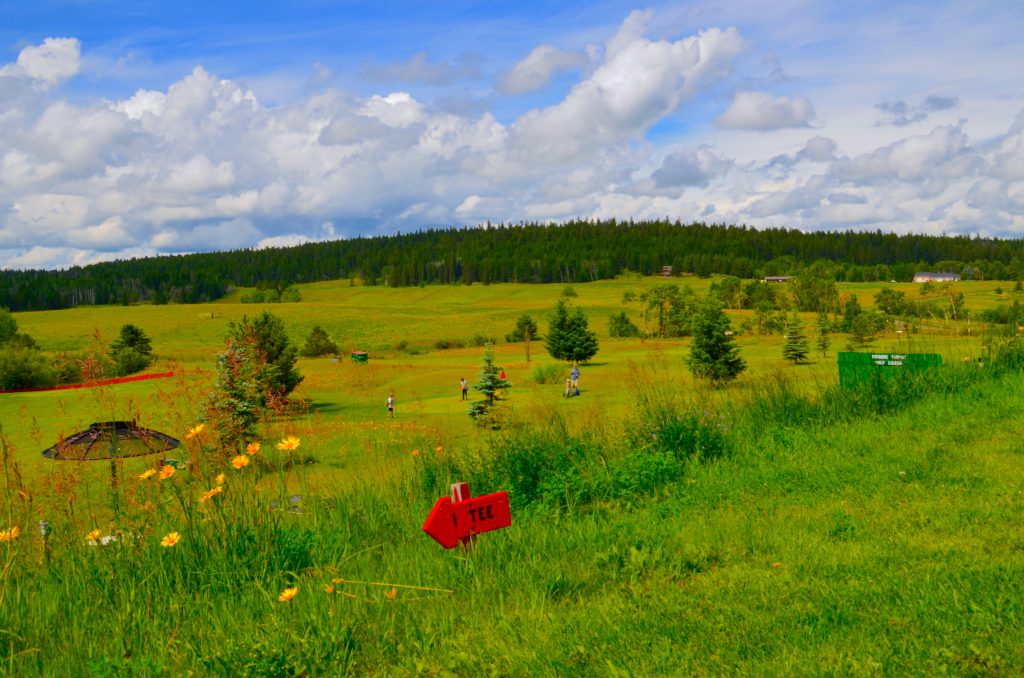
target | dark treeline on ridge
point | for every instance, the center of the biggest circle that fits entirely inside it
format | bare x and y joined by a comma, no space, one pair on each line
577,251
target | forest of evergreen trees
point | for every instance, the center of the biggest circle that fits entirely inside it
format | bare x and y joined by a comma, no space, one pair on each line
577,251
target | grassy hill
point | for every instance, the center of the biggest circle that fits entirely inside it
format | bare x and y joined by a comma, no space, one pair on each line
778,526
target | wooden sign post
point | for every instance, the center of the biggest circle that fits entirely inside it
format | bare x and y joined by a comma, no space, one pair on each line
457,519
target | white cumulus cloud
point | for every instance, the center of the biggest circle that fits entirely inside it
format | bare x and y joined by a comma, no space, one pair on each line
761,111
537,69
50,63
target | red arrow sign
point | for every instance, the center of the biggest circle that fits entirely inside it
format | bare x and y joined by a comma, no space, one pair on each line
450,523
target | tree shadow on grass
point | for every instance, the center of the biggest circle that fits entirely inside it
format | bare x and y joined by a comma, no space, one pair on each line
315,407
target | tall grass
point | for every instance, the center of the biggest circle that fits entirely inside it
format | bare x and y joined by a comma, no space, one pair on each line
786,534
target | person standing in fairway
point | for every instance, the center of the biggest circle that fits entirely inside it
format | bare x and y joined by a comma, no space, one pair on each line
391,405
465,388
575,375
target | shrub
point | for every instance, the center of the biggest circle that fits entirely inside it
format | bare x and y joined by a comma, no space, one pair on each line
547,374
685,434
621,326
24,368
444,344
481,340
129,361
318,344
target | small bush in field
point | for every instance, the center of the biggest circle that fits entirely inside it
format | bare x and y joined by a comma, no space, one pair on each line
547,374
481,340
683,433
444,344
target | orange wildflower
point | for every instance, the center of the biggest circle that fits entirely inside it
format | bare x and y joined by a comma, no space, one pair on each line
193,432
170,539
288,444
220,478
438,449
147,474
415,453
10,533
209,494
252,448
93,536
166,472
329,588
391,594
240,461
288,594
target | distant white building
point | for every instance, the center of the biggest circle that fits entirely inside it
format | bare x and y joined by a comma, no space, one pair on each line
776,278
936,277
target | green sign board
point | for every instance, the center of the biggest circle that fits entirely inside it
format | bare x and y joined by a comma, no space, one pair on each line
857,368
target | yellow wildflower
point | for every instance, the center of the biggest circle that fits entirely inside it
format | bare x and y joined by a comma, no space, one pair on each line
147,474
252,448
93,536
438,449
240,461
193,432
220,478
166,472
9,534
288,444
288,594
170,540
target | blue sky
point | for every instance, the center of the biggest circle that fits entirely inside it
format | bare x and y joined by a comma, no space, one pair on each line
132,129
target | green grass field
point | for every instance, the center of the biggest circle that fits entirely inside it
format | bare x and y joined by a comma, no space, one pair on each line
791,529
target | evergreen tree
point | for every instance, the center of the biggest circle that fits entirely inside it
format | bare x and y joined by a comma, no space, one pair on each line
713,353
569,336
264,341
851,310
861,333
492,386
795,348
823,341
318,343
233,408
132,351
8,325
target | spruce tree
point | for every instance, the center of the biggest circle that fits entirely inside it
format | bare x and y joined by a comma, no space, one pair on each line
796,347
823,341
132,351
264,340
713,354
569,336
491,385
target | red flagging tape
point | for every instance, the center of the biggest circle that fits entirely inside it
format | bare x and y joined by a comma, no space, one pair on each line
91,384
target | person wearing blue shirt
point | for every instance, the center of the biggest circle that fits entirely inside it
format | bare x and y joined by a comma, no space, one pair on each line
575,376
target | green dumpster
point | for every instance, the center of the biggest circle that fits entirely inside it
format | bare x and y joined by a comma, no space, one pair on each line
360,357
